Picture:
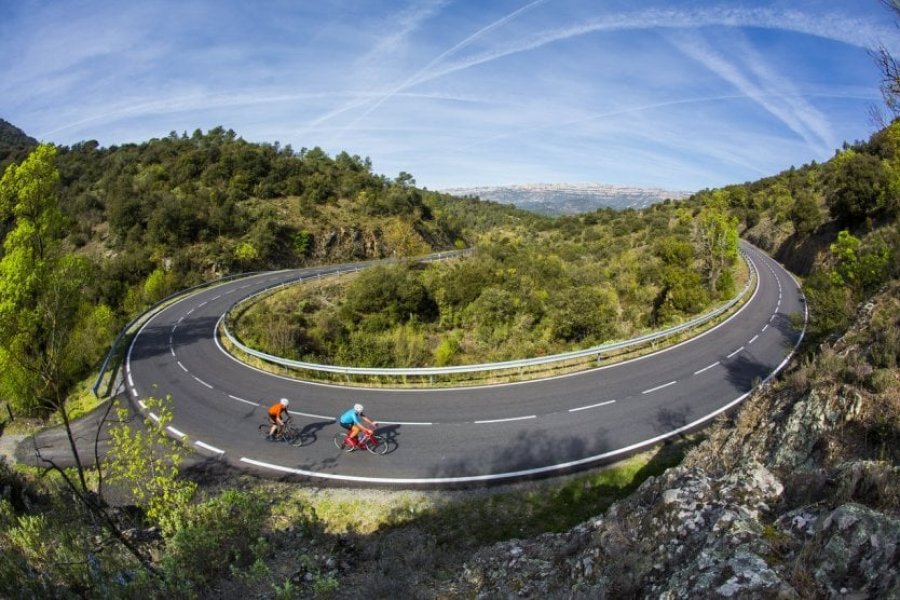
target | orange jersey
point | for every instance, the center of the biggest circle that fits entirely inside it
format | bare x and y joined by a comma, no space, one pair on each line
276,410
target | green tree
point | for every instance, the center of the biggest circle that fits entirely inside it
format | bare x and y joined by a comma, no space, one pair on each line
146,460
40,288
858,186
42,317
401,236
805,214
860,268
717,237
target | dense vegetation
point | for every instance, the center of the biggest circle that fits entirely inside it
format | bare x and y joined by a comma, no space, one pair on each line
123,227
835,224
578,282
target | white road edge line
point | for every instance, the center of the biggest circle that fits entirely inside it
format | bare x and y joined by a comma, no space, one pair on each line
176,432
592,406
524,472
208,447
505,420
536,470
153,416
659,387
183,368
715,364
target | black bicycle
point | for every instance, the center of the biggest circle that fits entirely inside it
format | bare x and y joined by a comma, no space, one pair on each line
289,433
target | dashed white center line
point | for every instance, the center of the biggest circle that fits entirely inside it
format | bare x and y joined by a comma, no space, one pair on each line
592,406
175,431
244,401
764,328
715,364
506,420
398,422
753,339
659,387
201,382
738,351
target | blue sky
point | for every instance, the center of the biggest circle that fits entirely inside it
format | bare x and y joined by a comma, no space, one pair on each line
674,94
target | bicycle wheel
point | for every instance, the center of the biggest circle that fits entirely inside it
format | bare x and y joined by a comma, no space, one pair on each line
292,436
264,430
377,444
339,442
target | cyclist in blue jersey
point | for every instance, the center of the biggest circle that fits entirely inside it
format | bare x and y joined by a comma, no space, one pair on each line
352,421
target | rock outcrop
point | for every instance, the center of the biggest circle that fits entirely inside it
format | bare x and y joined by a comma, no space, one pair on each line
796,496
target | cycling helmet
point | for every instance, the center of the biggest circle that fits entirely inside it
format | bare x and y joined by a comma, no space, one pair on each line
358,408
285,402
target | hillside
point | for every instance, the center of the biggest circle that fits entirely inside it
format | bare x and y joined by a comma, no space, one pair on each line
795,496
14,144
571,198
190,208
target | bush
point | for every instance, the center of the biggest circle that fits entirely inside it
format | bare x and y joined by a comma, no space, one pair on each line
880,380
394,292
213,535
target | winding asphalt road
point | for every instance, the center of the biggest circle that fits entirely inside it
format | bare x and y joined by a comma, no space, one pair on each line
464,435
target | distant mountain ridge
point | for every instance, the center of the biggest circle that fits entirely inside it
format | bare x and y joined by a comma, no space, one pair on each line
570,198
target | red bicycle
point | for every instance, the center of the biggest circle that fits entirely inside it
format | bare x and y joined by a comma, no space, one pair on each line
373,442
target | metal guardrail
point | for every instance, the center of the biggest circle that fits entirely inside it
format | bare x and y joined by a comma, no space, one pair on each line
484,367
114,348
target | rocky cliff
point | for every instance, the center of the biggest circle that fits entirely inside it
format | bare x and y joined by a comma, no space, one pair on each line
797,495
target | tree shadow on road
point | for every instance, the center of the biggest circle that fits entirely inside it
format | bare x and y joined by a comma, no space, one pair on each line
526,456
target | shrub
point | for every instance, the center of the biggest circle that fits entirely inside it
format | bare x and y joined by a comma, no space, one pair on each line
880,380
213,535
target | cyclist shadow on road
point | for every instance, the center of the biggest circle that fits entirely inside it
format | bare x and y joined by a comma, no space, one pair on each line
309,433
390,433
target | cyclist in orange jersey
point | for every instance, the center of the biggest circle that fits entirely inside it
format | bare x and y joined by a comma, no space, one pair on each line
278,416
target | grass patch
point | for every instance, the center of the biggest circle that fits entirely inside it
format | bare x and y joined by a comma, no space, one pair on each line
481,516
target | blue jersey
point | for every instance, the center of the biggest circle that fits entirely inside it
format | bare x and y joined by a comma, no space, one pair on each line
350,418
